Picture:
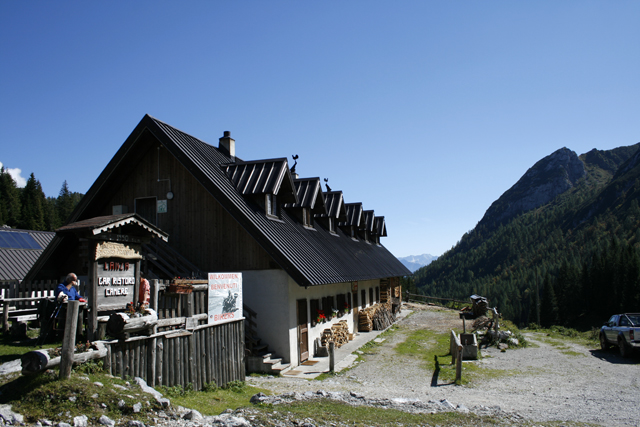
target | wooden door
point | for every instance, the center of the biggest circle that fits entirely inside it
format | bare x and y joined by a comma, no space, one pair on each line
303,330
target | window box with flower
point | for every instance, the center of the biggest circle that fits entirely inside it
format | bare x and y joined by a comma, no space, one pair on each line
321,317
347,308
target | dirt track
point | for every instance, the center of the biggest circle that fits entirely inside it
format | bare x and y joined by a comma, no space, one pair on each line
544,382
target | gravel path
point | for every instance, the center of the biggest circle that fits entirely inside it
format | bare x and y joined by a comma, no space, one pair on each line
549,380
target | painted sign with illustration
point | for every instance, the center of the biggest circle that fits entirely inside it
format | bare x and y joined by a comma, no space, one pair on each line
225,297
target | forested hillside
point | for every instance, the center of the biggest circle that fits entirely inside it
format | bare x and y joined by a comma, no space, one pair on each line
574,254
28,208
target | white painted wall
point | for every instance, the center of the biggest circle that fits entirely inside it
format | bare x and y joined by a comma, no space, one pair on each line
273,294
318,292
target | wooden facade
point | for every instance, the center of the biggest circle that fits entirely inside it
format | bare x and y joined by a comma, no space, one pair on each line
211,238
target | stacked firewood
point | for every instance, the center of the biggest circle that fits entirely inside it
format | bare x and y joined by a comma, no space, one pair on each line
384,294
376,317
338,334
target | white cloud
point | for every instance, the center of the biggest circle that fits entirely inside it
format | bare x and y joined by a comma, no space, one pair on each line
16,175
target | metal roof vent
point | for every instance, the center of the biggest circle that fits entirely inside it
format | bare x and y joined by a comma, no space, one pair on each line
228,145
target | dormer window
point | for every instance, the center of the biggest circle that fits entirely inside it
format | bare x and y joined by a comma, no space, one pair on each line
271,206
332,225
306,217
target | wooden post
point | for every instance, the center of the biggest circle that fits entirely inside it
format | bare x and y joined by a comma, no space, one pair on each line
136,286
332,356
69,341
153,294
151,374
5,316
455,348
92,287
190,308
459,363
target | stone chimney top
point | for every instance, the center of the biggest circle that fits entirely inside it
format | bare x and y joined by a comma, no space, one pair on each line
228,145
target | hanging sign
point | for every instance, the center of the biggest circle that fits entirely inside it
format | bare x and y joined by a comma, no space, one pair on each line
225,297
116,281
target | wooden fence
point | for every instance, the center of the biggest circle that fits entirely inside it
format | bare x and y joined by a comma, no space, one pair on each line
181,349
10,289
426,298
207,354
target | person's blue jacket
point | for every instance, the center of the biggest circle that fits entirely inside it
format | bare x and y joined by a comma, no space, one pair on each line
71,293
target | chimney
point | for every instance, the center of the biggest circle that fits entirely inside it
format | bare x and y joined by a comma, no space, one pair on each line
228,145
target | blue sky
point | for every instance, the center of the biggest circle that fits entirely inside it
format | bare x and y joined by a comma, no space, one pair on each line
424,111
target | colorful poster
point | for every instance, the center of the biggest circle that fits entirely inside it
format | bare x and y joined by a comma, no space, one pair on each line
225,297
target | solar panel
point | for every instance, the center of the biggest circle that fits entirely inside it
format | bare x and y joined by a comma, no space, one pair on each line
17,240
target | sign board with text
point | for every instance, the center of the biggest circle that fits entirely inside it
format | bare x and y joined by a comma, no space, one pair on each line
116,282
225,297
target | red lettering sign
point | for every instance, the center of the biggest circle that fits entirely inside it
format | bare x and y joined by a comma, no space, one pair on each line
116,266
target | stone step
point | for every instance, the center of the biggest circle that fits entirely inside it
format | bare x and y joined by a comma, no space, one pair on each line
281,367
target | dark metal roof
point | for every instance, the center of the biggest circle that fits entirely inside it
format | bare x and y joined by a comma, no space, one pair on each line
334,203
369,220
16,263
310,257
263,177
380,228
354,215
103,224
309,193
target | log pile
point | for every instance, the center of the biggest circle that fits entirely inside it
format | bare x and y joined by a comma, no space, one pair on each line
338,334
385,294
120,323
376,317
37,361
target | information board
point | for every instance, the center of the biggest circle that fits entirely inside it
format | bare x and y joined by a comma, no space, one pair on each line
116,281
225,297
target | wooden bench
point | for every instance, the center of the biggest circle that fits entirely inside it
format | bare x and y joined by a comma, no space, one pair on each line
12,314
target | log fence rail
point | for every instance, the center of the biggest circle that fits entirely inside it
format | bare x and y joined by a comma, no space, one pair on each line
179,348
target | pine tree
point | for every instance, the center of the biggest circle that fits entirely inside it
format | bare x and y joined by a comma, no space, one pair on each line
51,219
65,203
33,201
549,307
9,200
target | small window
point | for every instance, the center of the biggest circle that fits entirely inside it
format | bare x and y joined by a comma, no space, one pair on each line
371,300
341,304
146,208
314,308
271,205
363,295
332,225
306,217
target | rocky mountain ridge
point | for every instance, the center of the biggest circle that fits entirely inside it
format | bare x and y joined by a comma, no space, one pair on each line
544,181
414,262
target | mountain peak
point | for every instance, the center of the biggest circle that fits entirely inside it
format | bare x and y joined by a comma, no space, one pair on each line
549,177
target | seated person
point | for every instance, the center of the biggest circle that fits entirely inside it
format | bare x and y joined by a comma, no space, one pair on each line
67,289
